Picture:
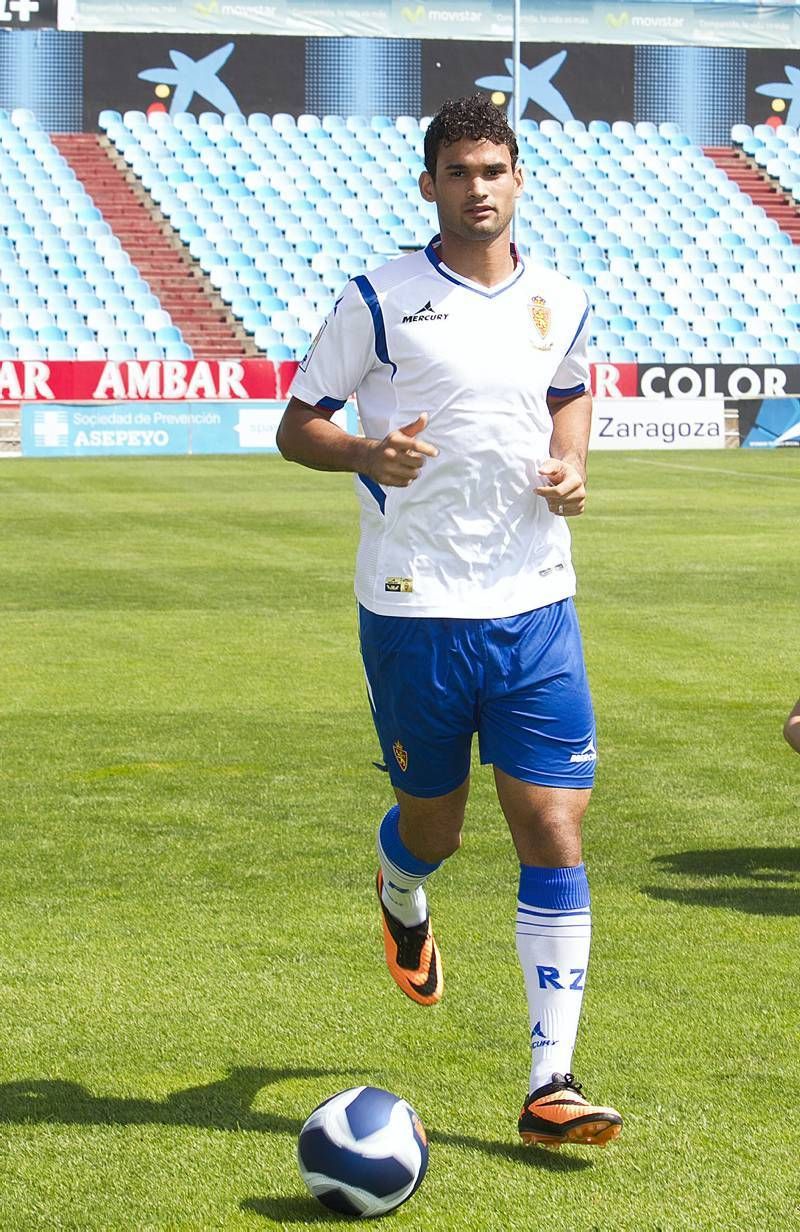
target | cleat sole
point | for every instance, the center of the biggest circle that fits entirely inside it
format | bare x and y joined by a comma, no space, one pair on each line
595,1133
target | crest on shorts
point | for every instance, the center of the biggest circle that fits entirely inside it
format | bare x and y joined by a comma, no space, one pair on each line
541,316
401,755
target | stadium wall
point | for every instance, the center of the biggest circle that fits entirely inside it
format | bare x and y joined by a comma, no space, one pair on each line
69,78
198,406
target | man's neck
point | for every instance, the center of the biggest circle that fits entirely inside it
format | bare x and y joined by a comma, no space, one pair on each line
487,263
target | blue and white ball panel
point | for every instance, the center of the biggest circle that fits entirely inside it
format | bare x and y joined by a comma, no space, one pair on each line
362,1152
519,682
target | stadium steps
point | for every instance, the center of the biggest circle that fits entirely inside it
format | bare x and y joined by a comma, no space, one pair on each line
759,186
157,252
10,429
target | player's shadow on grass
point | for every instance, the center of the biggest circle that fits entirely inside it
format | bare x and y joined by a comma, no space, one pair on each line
224,1105
758,880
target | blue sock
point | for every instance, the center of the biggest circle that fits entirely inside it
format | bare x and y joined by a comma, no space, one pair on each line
403,873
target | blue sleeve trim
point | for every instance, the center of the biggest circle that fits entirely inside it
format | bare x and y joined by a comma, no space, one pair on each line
375,489
330,404
577,331
566,393
370,298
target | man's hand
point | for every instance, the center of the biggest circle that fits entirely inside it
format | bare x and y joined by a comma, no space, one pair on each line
396,461
566,492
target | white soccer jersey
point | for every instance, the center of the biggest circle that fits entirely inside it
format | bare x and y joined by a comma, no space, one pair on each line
468,537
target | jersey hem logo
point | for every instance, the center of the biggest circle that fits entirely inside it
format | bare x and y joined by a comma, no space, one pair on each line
426,313
399,585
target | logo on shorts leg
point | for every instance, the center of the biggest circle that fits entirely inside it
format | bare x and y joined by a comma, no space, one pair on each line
401,755
588,754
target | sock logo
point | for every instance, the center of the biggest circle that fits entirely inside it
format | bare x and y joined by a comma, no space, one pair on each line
538,1037
551,977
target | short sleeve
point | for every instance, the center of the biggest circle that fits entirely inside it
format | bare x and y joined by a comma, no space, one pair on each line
339,357
572,375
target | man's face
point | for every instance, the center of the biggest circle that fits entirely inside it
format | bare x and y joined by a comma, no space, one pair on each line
474,189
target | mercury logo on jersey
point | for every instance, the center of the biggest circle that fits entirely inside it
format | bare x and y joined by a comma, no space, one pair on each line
426,313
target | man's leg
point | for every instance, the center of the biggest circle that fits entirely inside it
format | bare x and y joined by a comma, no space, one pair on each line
553,937
415,836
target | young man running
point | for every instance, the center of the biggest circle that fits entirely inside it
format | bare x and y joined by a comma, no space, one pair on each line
470,372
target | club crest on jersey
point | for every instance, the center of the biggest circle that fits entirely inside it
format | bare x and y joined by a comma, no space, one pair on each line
541,316
401,755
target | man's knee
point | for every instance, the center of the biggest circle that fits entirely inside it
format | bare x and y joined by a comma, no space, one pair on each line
431,828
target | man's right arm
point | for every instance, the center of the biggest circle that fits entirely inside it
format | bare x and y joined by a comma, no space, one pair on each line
308,436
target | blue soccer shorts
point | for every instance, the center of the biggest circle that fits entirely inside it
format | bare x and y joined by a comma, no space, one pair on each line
519,682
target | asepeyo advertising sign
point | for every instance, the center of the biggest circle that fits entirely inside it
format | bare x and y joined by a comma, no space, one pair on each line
63,430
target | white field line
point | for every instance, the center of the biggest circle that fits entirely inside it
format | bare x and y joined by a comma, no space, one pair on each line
711,470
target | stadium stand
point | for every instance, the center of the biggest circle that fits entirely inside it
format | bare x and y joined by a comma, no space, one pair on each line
776,152
67,289
196,322
680,264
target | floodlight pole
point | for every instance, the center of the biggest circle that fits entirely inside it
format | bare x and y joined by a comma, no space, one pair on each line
515,56
515,74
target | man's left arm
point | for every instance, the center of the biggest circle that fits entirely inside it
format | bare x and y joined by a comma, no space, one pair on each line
569,446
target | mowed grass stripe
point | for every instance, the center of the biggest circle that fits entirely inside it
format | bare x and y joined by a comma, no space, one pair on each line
189,950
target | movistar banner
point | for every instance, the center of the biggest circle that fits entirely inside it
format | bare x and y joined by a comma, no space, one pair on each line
722,23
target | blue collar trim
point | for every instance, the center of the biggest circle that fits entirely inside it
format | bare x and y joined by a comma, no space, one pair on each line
430,253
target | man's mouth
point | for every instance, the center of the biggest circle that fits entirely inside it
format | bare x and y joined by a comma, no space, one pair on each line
480,211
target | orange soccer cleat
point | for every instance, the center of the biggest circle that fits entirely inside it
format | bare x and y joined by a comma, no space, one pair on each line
412,956
558,1113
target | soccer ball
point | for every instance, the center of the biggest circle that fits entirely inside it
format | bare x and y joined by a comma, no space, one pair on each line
363,1152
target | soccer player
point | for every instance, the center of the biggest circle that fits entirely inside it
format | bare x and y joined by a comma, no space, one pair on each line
470,371
791,728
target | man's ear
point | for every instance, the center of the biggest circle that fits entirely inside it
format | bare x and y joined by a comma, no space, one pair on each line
427,187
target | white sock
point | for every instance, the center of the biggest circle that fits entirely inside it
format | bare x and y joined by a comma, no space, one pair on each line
403,874
553,933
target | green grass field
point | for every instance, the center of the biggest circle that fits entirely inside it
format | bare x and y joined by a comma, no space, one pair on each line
190,955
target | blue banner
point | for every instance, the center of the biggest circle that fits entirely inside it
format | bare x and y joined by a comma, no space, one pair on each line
65,430
770,424
703,23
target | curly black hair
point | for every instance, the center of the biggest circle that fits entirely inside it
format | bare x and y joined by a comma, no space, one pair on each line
476,117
